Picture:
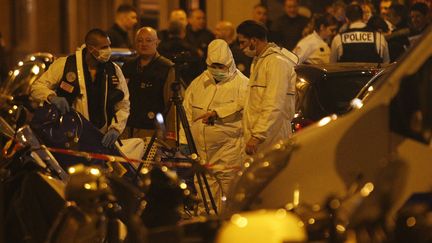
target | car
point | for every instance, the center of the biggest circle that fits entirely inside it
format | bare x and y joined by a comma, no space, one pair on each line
365,164
325,89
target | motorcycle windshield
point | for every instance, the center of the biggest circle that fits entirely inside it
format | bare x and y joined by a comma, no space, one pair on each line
19,81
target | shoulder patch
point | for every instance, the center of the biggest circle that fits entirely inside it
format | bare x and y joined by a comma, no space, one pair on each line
71,77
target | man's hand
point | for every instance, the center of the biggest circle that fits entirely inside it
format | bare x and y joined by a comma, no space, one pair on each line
208,118
61,103
252,146
110,137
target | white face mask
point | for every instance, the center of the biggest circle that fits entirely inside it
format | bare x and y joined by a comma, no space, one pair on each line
218,75
248,52
104,55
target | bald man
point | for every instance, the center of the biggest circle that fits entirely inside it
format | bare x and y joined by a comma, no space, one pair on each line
177,15
225,30
287,29
149,78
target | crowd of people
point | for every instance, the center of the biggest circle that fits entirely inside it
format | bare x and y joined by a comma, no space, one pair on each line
239,82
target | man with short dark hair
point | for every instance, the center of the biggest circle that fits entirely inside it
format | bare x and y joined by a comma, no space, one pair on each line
358,43
260,14
199,37
197,33
84,81
287,29
270,104
384,7
398,41
125,20
419,20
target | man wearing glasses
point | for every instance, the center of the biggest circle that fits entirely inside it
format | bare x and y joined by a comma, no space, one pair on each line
149,78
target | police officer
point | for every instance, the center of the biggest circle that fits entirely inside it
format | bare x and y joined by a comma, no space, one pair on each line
149,76
313,49
358,43
91,84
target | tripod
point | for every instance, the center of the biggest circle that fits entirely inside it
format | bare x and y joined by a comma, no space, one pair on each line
181,118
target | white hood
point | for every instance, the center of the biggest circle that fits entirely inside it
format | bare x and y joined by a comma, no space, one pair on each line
272,48
219,52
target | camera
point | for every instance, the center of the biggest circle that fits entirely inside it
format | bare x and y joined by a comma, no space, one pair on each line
183,57
183,60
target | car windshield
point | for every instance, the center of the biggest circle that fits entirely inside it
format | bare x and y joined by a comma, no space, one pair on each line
373,84
336,93
333,94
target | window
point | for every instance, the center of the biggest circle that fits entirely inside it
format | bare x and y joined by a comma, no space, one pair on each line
411,108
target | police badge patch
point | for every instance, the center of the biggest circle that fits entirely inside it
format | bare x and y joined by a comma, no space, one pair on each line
151,115
71,77
66,87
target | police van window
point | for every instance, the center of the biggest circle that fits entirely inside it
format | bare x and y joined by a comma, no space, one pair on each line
411,108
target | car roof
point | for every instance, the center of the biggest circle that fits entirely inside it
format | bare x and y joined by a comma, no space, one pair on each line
330,87
341,67
314,73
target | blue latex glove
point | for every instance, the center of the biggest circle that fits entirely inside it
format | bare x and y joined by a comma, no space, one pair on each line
61,104
184,149
110,137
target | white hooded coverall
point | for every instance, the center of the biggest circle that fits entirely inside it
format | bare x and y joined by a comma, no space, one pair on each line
270,105
221,144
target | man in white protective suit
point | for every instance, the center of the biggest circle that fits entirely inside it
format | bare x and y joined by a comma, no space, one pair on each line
270,105
214,107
